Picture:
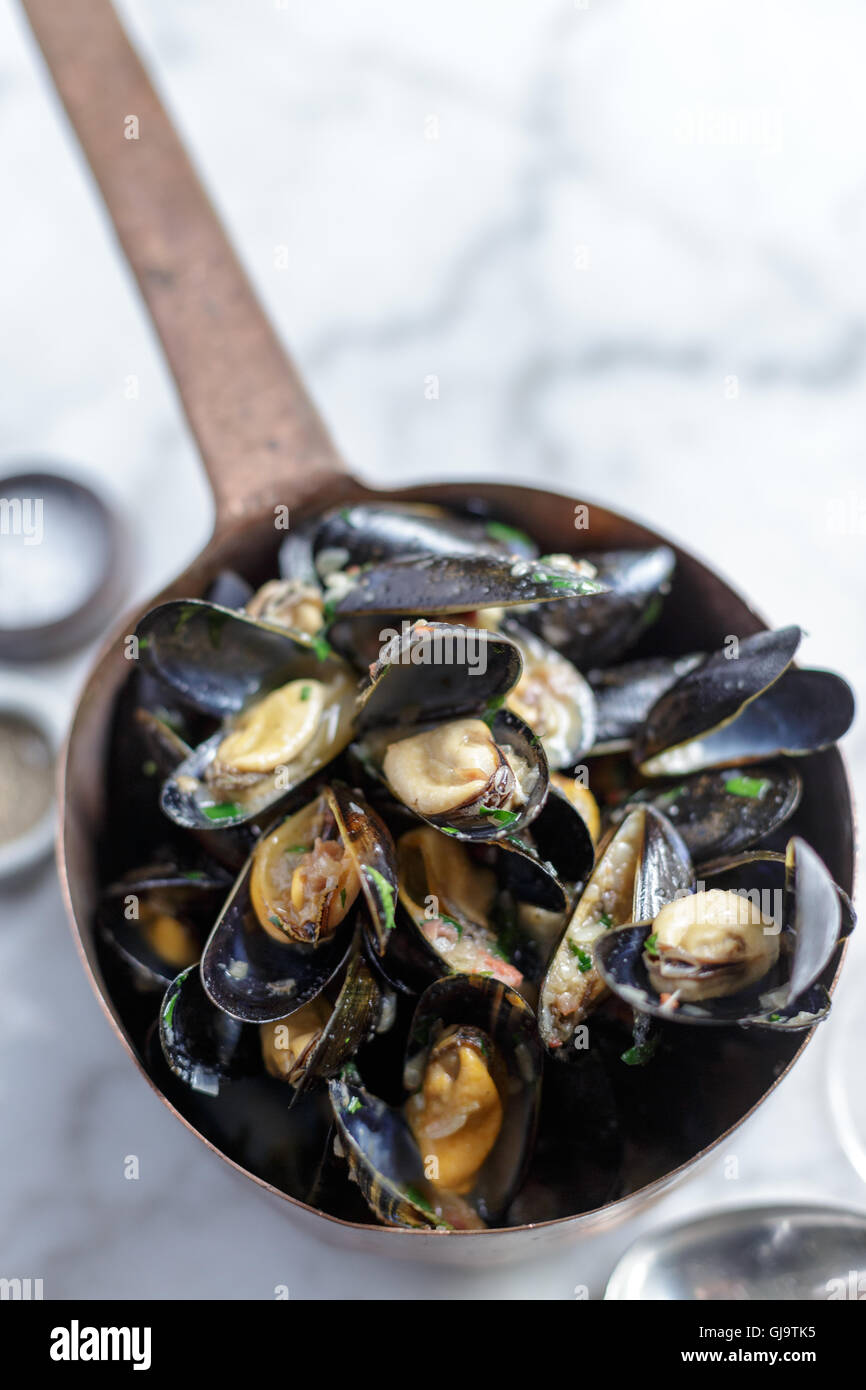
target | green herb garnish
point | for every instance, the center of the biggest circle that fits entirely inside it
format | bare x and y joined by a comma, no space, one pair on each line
651,946
322,648
355,1104
606,920
386,894
498,531
224,810
305,692
497,814
584,959
641,1053
754,787
492,708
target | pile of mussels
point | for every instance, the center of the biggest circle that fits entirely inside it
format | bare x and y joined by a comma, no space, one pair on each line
412,821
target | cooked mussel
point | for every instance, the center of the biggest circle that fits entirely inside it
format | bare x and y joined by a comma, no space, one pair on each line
449,898
473,1074
287,707
156,918
721,956
320,1038
457,1151
287,927
440,739
385,1162
641,866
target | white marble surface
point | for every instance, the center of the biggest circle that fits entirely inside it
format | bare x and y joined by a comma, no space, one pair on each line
626,207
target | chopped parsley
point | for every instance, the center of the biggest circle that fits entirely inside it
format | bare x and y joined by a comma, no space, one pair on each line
606,919
305,692
753,787
498,531
223,810
492,708
651,946
385,892
322,648
584,959
641,1053
499,815
168,1012
355,1104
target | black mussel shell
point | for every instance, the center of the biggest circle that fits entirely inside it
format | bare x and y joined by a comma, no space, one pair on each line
218,660
202,1045
363,1008
790,996
624,696
742,708
255,978
722,811
368,533
432,672
656,864
476,820
385,1162
369,841
432,585
594,634
193,894
503,1015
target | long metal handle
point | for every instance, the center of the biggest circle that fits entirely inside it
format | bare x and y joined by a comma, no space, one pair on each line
255,425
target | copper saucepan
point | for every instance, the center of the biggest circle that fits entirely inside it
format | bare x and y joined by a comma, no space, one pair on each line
263,444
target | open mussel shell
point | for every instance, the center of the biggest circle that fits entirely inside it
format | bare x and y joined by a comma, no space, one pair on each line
156,918
219,660
196,800
452,907
385,1162
552,697
368,841
257,978
544,864
594,634
432,672
744,706
642,866
720,812
811,923
362,1007
443,584
202,1045
483,816
501,1015
624,696
369,532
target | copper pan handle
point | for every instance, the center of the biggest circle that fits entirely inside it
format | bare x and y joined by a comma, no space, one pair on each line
258,432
